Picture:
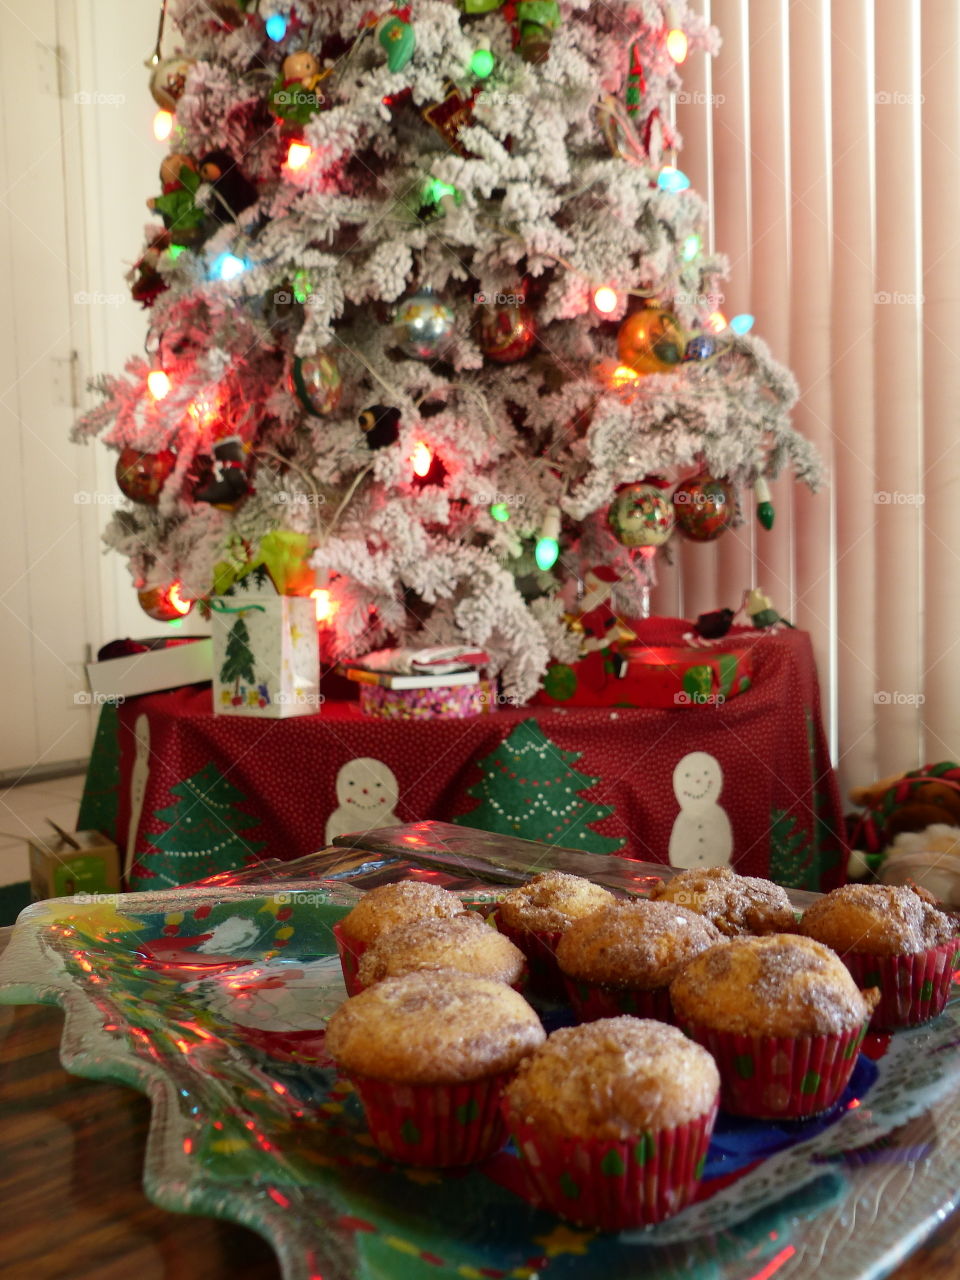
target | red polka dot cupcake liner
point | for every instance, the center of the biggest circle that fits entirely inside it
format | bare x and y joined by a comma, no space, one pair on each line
913,988
593,1000
435,1124
540,947
780,1077
609,1185
349,950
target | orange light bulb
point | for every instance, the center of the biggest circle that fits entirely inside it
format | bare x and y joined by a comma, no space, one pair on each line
677,44
176,599
162,125
421,458
717,321
326,605
298,155
158,383
605,300
624,376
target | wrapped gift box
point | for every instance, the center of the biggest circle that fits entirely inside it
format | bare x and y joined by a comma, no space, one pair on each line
662,676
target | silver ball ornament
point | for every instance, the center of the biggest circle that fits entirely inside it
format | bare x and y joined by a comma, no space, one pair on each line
423,325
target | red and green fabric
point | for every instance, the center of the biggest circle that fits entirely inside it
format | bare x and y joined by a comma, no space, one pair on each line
529,789
206,831
101,792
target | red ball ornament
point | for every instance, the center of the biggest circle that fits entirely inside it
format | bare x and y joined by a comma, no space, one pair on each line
704,507
141,476
508,329
164,603
641,515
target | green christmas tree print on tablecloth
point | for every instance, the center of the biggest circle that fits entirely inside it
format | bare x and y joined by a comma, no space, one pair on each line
101,788
530,789
206,831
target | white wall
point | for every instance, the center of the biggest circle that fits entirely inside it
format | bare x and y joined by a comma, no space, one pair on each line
74,175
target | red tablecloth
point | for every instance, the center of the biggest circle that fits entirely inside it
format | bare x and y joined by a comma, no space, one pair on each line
200,793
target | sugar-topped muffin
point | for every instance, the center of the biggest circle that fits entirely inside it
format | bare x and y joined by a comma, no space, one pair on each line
391,905
735,904
465,943
596,1108
780,985
636,944
433,1028
877,919
551,901
613,1079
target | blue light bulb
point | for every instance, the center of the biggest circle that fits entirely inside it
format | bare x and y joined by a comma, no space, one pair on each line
546,552
672,180
742,324
276,27
227,266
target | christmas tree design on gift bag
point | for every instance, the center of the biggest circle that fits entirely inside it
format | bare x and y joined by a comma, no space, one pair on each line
529,789
237,665
206,832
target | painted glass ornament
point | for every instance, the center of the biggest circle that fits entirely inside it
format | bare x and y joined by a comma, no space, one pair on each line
141,476
651,341
316,382
168,81
164,603
507,331
700,347
423,325
641,515
704,507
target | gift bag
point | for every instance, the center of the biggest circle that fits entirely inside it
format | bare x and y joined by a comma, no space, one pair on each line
266,659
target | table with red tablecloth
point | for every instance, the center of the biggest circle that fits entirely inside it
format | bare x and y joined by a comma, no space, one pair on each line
194,793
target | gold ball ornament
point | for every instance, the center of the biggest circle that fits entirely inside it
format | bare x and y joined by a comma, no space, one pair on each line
641,515
168,80
651,341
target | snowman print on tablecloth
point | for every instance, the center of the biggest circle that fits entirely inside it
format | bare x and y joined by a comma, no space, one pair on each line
701,835
366,793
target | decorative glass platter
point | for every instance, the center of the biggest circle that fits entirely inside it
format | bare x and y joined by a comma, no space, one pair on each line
212,1001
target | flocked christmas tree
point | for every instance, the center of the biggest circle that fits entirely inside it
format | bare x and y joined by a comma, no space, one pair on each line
429,286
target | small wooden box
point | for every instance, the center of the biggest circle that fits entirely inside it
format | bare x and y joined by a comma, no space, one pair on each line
57,870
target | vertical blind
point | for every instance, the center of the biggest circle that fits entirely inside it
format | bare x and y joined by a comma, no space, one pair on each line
826,137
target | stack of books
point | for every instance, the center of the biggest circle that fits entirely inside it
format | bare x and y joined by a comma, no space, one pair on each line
442,668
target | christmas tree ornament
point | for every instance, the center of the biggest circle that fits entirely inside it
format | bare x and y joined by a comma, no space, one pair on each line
700,347
536,20
760,610
636,83
177,205
651,341
397,37
164,603
141,476
703,507
449,117
146,281
297,94
595,620
423,325
229,483
168,81
232,190
765,510
316,382
381,425
641,514
507,330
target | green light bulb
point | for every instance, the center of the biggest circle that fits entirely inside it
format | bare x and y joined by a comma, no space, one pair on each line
546,552
175,250
500,511
691,247
481,64
301,286
434,190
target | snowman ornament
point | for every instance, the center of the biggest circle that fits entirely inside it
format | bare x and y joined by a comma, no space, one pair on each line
366,793
701,835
